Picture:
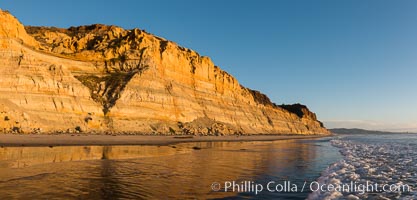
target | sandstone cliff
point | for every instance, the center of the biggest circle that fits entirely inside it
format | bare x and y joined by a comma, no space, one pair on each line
101,78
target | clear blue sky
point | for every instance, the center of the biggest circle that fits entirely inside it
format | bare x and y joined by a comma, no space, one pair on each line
353,62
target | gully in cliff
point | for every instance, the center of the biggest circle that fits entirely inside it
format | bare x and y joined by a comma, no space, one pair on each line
102,111
105,79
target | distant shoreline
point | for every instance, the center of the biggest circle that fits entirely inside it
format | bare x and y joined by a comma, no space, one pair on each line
357,131
10,140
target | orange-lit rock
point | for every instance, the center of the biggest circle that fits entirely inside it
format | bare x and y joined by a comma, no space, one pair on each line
104,78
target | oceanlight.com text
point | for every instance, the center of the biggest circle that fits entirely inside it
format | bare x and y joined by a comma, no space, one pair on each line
314,186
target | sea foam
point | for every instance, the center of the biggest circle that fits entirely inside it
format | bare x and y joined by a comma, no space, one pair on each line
392,164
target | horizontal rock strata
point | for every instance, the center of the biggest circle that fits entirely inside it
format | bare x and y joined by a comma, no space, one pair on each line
101,78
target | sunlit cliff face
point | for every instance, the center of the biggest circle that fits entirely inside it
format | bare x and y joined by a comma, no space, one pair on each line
104,78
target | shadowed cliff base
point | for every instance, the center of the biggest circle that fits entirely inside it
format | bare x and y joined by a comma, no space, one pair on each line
127,81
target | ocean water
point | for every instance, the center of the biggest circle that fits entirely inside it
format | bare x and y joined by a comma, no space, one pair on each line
373,167
180,171
286,169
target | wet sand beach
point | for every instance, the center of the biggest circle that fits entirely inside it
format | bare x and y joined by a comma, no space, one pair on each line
185,170
74,140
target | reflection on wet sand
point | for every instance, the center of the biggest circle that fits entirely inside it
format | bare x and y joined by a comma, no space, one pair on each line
16,157
112,172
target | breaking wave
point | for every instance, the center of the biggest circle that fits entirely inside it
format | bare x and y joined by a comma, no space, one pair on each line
391,164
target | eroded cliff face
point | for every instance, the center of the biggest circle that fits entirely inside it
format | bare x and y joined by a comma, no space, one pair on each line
103,78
